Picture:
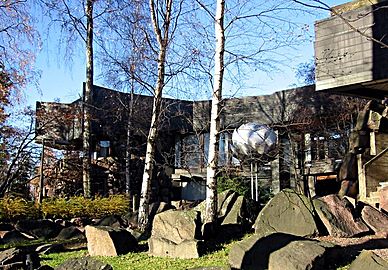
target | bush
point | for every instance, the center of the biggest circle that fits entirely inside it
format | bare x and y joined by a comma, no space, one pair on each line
80,206
17,208
237,184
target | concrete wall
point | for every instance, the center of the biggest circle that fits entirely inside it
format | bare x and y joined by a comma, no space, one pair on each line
279,108
344,54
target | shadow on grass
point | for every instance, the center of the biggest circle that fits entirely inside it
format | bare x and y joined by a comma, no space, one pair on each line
224,235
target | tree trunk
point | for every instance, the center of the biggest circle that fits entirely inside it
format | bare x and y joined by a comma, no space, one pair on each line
150,153
212,168
128,153
162,38
41,174
86,166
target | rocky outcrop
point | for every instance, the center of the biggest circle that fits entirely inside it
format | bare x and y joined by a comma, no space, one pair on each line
249,253
376,220
176,234
236,214
187,249
368,260
336,214
279,251
42,228
70,232
287,212
84,264
111,221
260,251
15,258
13,237
50,248
108,241
225,202
302,254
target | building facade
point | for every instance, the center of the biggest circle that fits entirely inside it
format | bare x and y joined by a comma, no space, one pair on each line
312,130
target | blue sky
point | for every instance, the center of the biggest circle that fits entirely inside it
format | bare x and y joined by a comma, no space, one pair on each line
63,81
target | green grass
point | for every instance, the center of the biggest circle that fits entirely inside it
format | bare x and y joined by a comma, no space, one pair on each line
141,260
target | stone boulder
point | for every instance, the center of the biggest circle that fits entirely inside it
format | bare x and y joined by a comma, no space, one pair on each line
86,263
71,232
50,248
41,228
375,219
254,252
111,221
6,227
15,258
282,251
225,202
80,222
159,207
108,241
235,215
368,260
337,216
176,234
13,236
287,212
302,254
188,249
131,218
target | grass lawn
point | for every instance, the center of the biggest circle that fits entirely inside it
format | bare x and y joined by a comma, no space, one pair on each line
141,260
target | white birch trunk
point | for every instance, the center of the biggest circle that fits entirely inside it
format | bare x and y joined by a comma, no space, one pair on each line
150,152
212,168
86,164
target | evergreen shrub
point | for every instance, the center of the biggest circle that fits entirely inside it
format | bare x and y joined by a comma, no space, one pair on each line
19,208
13,208
243,187
85,207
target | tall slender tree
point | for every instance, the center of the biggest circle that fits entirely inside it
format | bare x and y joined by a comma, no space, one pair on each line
161,21
212,168
77,22
87,100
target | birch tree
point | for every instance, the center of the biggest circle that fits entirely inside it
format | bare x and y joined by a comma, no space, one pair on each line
161,21
212,169
142,56
125,59
250,36
87,100
77,22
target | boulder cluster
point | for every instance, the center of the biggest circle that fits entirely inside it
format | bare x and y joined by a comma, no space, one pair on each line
287,230
290,232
